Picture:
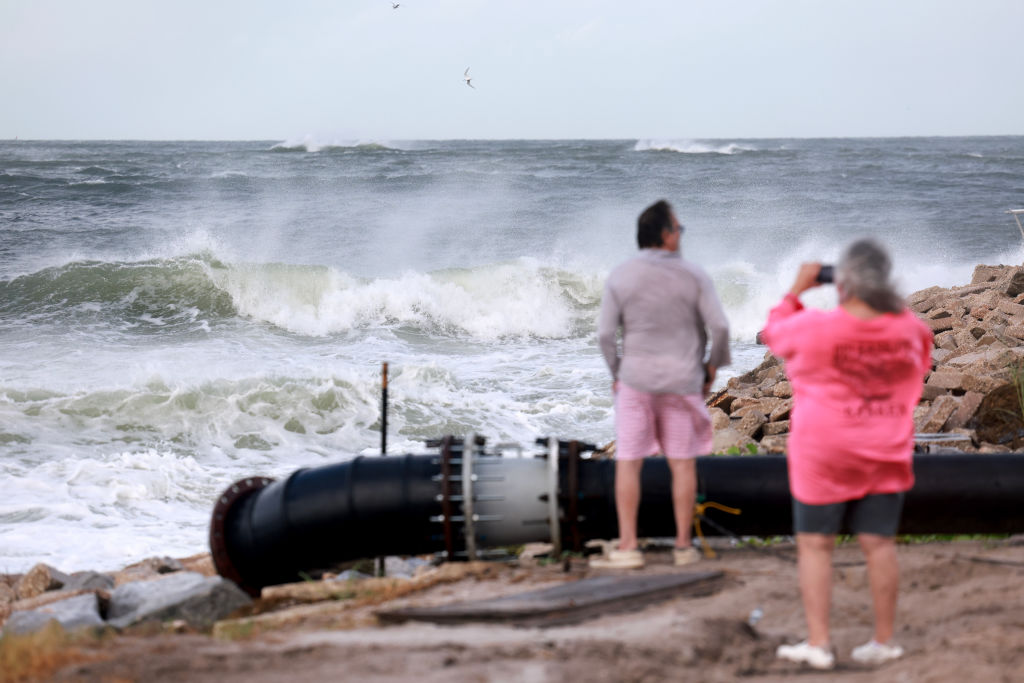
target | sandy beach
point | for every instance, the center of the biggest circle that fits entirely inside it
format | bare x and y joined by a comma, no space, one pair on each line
961,617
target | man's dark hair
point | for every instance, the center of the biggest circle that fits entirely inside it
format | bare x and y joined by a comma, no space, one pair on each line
652,221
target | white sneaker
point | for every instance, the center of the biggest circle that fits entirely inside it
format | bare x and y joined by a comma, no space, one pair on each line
873,652
619,559
684,556
814,656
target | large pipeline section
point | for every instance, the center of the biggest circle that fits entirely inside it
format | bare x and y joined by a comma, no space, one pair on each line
460,503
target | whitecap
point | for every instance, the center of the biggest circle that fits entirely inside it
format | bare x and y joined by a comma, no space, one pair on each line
691,147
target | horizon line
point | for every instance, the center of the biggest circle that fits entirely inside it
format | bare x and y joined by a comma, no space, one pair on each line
525,139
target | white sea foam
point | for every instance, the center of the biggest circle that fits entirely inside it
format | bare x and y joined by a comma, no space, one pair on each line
314,144
89,509
512,299
691,147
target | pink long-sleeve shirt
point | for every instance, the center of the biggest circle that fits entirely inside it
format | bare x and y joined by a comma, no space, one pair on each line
855,385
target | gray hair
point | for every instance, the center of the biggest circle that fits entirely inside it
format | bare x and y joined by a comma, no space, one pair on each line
863,272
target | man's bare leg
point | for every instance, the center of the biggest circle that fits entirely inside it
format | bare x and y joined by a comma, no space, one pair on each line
627,501
684,496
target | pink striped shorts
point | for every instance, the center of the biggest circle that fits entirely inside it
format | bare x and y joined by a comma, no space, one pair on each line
645,424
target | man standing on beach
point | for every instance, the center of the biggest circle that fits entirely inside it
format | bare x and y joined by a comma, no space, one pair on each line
665,307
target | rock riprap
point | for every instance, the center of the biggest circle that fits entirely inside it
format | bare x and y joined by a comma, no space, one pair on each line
971,399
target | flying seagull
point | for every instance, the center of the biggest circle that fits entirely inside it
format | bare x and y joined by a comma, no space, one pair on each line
395,5
466,77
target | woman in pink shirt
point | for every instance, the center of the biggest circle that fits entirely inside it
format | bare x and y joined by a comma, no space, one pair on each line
857,374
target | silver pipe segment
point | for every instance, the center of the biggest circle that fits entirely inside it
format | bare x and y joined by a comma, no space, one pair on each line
462,501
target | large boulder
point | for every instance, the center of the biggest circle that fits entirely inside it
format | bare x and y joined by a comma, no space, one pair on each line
189,596
80,611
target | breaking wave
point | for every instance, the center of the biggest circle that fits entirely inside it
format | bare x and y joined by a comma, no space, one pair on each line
691,147
311,146
516,299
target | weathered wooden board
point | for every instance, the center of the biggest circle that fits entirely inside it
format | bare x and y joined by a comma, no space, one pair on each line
564,604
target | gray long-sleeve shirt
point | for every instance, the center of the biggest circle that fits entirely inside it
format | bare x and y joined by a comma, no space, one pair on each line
665,306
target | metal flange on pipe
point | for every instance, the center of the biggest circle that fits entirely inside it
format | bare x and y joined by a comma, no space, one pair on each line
462,502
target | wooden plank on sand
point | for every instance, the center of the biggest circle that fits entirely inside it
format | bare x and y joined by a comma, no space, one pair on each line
564,604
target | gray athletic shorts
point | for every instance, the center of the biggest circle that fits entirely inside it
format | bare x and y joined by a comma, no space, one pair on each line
873,514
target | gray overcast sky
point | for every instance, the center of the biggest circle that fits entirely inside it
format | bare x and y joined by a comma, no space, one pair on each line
358,69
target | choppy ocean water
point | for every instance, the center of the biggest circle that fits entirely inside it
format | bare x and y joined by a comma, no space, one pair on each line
175,316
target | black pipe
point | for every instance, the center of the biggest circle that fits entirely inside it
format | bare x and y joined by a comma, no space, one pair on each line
954,493
756,485
316,518
263,533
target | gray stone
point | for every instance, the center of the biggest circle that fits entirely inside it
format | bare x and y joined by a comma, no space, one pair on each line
354,575
783,390
90,581
403,567
81,611
775,428
49,597
196,599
